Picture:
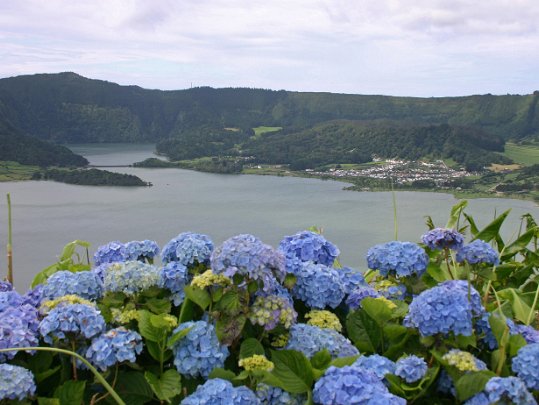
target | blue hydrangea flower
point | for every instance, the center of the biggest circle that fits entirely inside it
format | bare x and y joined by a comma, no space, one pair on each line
221,392
18,328
351,279
350,385
318,286
34,296
411,368
141,250
269,395
500,390
77,320
115,346
246,255
478,251
529,334
101,270
10,299
309,246
482,327
443,238
85,284
525,365
198,353
16,383
310,339
131,277
444,309
5,286
402,259
188,248
379,365
358,294
174,277
391,289
109,253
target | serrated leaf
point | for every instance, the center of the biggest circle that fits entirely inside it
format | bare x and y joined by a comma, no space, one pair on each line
147,328
198,296
250,347
472,383
293,370
71,392
229,303
165,387
363,331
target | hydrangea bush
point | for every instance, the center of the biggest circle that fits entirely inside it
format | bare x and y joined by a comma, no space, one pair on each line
448,318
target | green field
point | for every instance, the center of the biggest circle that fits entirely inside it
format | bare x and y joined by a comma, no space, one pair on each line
262,130
524,154
13,171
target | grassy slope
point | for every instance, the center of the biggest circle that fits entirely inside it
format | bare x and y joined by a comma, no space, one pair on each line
13,171
524,154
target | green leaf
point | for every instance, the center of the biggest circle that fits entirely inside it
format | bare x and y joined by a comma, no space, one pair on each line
363,331
71,392
521,310
222,373
464,342
198,296
250,347
379,310
519,244
516,342
293,370
473,226
500,329
44,274
343,361
472,383
48,401
455,213
229,303
165,387
147,328
46,374
69,249
290,281
178,336
228,329
133,388
491,230
321,359
159,305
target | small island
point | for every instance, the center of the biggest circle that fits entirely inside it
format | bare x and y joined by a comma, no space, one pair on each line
90,177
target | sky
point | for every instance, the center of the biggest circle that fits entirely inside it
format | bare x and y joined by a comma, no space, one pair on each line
424,48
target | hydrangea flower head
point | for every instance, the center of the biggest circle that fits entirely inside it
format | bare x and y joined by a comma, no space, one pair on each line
390,289
221,392
257,362
5,286
75,320
34,296
377,364
188,248
115,346
311,339
199,352
411,368
131,277
10,299
525,365
443,238
309,246
478,251
269,395
141,250
402,259
174,277
351,279
358,294
323,319
273,310
350,385
463,361
210,279
16,383
48,305
444,309
504,390
18,328
318,286
246,255
85,284
109,253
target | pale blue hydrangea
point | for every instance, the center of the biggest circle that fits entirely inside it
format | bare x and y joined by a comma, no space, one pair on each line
351,279
85,284
109,253
525,365
71,321
199,352
308,246
411,368
131,277
503,390
16,383
358,294
318,286
5,286
402,259
221,392
10,299
444,309
269,395
351,385
310,339
443,238
141,250
478,251
188,248
270,311
115,346
246,255
18,328
174,277
101,270
379,365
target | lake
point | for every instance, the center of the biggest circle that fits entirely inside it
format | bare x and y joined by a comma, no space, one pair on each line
47,215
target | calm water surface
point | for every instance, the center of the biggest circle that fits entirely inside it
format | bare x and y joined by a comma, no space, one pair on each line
47,215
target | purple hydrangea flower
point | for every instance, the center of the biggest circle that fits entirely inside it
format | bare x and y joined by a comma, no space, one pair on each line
141,250
358,294
115,346
10,299
18,328
85,284
402,259
318,286
34,296
5,286
443,238
411,368
525,365
310,339
174,277
199,352
16,383
500,390
478,251
109,253
309,246
221,392
188,248
377,364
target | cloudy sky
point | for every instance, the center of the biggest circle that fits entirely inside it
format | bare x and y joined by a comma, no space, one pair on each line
392,47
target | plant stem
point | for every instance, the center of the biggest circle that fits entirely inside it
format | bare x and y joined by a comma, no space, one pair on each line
532,309
9,242
74,362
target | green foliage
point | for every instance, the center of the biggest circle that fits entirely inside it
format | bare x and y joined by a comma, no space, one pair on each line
165,387
90,177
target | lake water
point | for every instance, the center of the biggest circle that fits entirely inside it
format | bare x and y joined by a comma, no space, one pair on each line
47,215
